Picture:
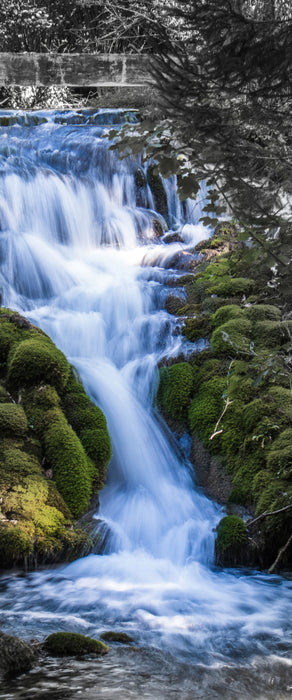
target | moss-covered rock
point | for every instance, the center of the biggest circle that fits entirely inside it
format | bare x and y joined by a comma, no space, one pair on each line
175,389
232,286
205,409
226,313
112,636
68,460
73,644
231,540
232,338
271,334
13,420
195,328
262,312
38,360
15,545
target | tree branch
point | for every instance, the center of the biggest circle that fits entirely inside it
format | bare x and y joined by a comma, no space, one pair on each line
282,551
266,514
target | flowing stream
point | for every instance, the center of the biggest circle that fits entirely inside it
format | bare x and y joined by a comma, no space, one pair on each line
81,260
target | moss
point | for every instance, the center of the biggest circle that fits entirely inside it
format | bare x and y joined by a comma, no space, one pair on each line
4,398
233,435
195,328
173,304
260,482
38,360
12,420
247,468
232,337
55,499
225,313
72,644
232,286
175,389
205,410
208,370
112,636
241,387
270,334
68,460
97,445
268,498
9,337
279,458
262,312
231,532
15,544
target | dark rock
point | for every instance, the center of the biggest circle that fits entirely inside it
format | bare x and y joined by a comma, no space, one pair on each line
210,473
172,237
16,655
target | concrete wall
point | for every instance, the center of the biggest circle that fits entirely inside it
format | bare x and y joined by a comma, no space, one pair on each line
86,70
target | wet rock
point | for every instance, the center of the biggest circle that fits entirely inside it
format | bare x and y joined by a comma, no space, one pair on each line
72,644
172,237
210,473
121,637
173,304
16,655
181,260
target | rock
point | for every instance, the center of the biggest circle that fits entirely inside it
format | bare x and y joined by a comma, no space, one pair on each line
121,637
172,237
16,655
73,644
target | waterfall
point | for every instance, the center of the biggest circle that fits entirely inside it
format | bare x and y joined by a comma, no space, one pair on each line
81,260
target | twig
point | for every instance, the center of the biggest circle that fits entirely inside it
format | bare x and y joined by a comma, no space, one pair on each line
217,432
279,555
266,514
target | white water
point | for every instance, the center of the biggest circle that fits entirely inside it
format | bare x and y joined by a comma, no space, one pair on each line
82,262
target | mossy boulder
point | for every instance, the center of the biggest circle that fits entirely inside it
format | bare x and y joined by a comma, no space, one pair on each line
271,334
176,383
205,409
73,644
195,328
279,459
120,637
15,545
231,540
68,460
13,420
262,312
16,655
232,286
232,338
38,360
226,313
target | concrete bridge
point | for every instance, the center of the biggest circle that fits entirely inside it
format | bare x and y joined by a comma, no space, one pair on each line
73,70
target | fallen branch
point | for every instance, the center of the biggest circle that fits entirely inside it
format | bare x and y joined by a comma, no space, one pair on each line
282,551
266,514
217,432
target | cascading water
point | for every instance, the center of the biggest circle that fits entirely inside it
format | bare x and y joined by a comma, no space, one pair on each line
83,262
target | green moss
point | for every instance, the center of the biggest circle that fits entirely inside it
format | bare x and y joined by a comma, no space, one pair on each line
15,544
233,435
262,312
38,360
175,389
231,532
112,636
260,482
195,328
68,460
4,398
72,644
205,410
279,459
12,420
270,334
241,387
232,337
247,468
10,336
232,286
97,445
225,313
